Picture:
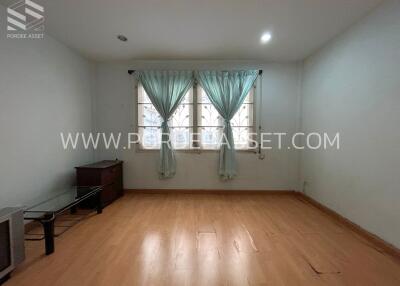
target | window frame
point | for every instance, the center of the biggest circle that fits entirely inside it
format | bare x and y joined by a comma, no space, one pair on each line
197,150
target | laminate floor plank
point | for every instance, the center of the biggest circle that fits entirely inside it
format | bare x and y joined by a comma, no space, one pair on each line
208,239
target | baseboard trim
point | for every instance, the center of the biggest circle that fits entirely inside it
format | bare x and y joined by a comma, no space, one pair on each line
378,242
209,191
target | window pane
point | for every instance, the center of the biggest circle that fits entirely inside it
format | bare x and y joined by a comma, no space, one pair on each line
210,123
149,122
208,115
150,137
202,96
243,116
250,97
188,98
210,137
181,116
209,119
241,137
142,96
148,115
180,137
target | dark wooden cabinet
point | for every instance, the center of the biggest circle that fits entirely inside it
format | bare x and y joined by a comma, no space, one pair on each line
106,173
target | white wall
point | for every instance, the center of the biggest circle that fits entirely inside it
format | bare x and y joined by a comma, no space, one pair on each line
115,112
352,86
45,89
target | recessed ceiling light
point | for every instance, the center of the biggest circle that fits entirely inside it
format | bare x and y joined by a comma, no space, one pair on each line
265,38
122,38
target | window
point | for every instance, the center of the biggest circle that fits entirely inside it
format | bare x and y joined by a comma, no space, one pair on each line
149,122
194,115
211,124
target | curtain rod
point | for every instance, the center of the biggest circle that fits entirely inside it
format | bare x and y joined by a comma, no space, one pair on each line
132,71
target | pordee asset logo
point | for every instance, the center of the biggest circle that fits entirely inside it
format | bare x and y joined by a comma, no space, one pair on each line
25,20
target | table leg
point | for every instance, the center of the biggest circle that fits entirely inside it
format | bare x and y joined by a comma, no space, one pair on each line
48,226
99,206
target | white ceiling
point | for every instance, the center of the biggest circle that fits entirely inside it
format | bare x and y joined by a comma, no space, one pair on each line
199,29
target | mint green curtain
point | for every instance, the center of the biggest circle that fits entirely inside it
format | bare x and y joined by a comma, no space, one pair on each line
227,91
166,89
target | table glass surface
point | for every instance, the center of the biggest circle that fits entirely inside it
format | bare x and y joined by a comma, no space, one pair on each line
60,200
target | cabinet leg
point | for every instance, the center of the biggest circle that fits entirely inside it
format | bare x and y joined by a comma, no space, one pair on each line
48,226
99,205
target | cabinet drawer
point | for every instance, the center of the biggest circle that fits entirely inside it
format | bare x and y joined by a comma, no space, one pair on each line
107,173
109,176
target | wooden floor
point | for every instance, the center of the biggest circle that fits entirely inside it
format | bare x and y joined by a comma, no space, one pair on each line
190,239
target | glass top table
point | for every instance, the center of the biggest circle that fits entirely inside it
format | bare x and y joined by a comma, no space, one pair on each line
60,201
46,210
